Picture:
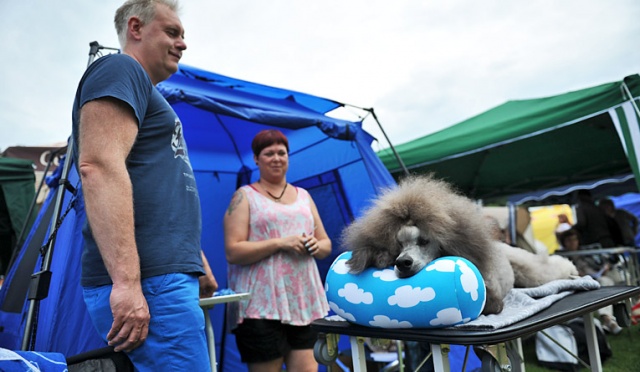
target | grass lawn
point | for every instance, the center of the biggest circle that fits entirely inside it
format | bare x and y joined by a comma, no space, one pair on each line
625,347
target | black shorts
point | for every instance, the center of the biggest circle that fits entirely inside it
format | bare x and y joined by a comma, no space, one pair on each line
263,340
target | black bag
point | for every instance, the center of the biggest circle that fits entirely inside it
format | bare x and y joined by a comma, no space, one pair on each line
102,360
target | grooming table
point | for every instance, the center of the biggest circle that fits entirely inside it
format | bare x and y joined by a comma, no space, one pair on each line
581,303
206,304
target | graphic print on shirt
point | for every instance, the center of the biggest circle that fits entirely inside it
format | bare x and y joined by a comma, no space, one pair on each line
178,144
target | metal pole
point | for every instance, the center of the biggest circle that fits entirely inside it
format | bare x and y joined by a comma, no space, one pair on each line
633,103
40,281
513,209
404,168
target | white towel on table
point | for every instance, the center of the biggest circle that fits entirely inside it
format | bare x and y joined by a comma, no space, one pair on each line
521,303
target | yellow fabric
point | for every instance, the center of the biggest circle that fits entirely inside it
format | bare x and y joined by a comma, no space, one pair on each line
544,221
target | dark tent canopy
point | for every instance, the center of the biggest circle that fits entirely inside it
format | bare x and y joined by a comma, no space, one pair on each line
17,191
529,145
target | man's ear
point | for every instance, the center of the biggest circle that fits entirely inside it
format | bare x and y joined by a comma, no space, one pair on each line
134,25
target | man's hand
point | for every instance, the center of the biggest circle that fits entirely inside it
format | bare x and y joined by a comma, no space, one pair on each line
208,283
130,318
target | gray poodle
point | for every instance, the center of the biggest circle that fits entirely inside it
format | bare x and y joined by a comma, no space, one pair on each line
424,219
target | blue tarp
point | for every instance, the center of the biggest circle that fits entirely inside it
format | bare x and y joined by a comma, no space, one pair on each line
331,158
631,203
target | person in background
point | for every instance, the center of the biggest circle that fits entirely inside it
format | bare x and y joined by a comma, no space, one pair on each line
592,224
597,269
627,222
142,266
563,225
273,235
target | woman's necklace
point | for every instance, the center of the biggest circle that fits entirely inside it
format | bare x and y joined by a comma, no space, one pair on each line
276,198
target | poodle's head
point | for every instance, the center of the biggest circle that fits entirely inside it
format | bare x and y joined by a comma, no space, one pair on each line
418,248
411,225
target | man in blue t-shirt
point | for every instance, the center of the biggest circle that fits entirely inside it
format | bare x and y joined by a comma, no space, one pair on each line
142,264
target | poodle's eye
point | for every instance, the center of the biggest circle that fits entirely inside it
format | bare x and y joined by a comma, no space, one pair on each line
423,241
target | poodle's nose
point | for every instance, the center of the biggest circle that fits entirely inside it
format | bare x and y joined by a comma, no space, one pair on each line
404,263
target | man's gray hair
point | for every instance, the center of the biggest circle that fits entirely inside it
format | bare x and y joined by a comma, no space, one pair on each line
143,9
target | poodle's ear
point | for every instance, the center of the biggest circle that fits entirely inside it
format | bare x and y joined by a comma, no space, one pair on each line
370,257
384,259
360,260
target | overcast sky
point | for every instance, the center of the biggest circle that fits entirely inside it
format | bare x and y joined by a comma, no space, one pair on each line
422,65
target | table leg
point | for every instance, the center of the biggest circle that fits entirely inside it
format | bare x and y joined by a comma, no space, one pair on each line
211,340
520,352
440,356
357,354
592,343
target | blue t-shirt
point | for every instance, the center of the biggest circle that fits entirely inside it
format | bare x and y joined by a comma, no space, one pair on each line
166,201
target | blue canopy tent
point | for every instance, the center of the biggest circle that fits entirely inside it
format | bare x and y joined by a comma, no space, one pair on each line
331,158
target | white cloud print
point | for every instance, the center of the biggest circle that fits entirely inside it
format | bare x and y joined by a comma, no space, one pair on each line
384,321
408,296
336,309
443,266
355,295
446,317
386,275
468,280
340,267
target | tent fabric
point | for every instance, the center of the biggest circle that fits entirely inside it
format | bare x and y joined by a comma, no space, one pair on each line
17,183
63,324
566,194
331,158
631,203
625,120
528,145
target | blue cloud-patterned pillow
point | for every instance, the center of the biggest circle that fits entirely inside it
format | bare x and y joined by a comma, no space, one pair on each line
448,291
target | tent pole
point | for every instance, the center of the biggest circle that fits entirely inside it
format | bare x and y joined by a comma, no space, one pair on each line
39,287
40,281
512,223
404,168
633,103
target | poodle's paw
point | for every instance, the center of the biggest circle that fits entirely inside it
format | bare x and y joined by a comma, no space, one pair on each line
494,305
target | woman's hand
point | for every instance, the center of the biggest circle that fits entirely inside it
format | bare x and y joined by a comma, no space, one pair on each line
301,244
311,244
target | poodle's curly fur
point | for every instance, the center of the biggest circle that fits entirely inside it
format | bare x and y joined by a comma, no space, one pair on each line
425,218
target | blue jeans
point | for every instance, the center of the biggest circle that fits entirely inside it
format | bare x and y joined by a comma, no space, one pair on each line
176,340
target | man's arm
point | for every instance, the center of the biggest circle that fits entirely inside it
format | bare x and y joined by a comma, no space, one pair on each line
107,131
208,282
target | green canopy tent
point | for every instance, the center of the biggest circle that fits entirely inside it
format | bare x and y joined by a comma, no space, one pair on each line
17,191
535,144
